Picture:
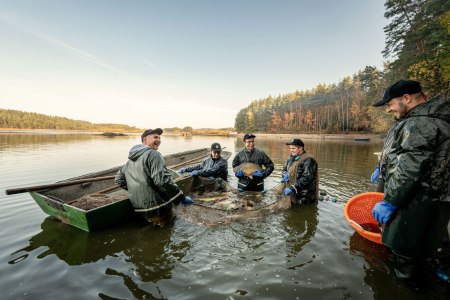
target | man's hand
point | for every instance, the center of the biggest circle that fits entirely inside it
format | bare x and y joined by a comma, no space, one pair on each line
187,201
375,174
383,211
287,191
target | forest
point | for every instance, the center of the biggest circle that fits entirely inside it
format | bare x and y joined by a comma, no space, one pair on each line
417,47
26,120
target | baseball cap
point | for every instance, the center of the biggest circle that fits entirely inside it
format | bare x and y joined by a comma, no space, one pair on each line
248,136
398,89
296,142
216,147
151,131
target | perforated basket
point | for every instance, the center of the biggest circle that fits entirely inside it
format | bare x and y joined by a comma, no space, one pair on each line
358,212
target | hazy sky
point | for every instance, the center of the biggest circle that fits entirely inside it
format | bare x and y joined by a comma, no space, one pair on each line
177,63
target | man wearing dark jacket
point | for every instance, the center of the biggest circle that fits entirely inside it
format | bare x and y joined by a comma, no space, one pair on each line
416,200
300,174
214,166
149,184
255,182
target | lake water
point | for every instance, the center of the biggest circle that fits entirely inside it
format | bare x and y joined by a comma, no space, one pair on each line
308,252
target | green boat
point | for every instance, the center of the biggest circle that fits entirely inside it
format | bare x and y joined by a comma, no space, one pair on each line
93,201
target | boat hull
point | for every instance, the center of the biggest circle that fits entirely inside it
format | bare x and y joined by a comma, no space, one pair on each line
58,202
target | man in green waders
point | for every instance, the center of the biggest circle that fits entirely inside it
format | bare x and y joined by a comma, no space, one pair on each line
300,175
416,203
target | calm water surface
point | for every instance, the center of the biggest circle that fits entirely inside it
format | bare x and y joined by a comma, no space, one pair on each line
307,252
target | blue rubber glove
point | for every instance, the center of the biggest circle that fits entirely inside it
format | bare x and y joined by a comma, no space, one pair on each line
187,201
240,190
182,170
375,174
287,191
239,173
383,211
195,173
211,178
284,177
258,174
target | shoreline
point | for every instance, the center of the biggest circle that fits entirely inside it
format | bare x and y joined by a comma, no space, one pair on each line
286,136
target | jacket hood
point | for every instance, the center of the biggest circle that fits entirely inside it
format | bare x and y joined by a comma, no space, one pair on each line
438,107
136,151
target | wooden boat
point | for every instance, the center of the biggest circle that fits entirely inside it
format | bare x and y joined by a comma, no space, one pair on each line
108,203
361,139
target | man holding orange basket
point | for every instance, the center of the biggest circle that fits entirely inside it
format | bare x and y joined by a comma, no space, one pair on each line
416,204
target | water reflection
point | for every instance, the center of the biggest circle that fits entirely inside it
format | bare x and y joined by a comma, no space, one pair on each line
149,254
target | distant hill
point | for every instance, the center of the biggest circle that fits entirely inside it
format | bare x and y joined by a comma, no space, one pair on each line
16,119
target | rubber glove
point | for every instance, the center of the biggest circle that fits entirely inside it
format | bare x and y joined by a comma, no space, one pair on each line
239,173
240,190
287,191
284,177
383,211
195,173
187,201
211,178
375,174
258,174
182,170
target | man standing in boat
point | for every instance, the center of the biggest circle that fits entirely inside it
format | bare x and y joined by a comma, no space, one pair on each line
255,182
300,175
416,203
214,166
149,184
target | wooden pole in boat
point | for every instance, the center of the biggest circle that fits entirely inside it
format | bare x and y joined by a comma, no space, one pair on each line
55,185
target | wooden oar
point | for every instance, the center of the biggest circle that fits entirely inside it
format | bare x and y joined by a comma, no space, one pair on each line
55,185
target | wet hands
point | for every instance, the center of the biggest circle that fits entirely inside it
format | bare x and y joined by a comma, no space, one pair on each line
287,191
383,211
182,170
187,201
284,177
375,174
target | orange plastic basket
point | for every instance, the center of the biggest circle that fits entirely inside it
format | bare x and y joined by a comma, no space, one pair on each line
358,212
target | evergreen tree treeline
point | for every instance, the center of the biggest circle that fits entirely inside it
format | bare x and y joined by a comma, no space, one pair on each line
417,42
27,120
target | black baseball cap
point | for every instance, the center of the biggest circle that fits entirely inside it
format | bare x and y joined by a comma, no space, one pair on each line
151,131
296,142
248,136
216,147
398,89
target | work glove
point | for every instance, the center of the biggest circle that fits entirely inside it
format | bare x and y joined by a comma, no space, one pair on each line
383,211
187,201
182,170
284,177
195,173
287,191
258,174
375,174
211,178
239,173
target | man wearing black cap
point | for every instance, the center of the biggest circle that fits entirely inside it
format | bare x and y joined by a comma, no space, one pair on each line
300,174
149,184
415,208
214,166
255,182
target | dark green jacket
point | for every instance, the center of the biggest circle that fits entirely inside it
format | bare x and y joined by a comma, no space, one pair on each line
147,180
258,157
417,179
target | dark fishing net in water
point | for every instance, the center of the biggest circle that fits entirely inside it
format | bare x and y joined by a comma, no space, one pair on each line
218,203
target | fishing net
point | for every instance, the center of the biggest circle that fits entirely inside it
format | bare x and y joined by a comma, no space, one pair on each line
218,203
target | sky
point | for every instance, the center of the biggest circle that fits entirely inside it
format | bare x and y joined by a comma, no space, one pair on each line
177,63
